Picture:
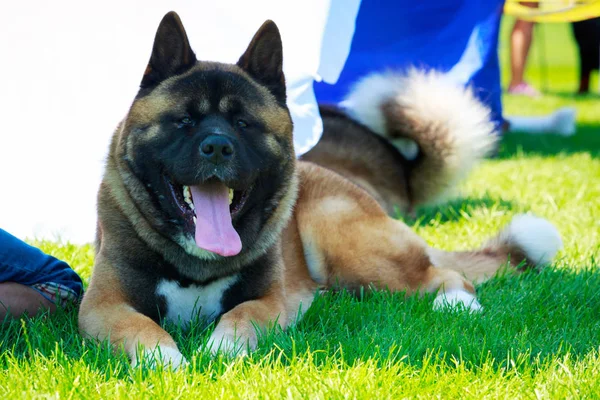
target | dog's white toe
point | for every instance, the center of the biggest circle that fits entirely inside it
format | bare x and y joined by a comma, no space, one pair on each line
225,342
456,298
161,355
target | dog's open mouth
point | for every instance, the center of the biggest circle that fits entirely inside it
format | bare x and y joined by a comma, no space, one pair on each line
210,207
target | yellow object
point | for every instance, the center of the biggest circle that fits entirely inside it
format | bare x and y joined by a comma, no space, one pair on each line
553,10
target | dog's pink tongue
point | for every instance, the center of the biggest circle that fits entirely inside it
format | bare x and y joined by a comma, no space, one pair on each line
214,231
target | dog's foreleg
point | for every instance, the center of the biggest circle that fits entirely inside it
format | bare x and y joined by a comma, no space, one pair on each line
106,314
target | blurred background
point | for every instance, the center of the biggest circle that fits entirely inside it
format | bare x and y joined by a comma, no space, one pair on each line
552,68
553,61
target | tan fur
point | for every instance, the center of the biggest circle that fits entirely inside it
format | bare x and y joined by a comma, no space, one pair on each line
325,232
339,237
336,235
106,314
355,244
360,244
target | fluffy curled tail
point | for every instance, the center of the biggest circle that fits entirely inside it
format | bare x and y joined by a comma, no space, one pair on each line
438,124
526,242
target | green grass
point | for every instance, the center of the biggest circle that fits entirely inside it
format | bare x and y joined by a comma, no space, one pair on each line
539,335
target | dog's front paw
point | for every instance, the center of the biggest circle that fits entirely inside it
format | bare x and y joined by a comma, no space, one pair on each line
230,342
169,357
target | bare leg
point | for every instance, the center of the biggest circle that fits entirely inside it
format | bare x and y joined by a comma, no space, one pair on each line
520,43
17,299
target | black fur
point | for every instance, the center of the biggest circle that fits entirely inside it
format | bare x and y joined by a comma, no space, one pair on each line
164,152
171,53
264,60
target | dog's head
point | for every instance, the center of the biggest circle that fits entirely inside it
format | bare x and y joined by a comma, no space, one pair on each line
209,145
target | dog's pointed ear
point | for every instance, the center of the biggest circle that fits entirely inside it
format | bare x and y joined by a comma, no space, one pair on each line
171,53
263,59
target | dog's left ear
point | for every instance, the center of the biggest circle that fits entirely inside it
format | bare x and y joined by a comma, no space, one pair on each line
263,59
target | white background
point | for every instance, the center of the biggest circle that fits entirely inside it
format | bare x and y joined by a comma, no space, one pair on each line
70,69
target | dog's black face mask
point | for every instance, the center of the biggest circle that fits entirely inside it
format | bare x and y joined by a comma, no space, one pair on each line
212,143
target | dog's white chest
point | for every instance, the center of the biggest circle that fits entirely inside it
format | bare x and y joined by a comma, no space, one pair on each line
184,303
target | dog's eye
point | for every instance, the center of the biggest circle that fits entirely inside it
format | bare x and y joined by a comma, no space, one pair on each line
241,123
186,121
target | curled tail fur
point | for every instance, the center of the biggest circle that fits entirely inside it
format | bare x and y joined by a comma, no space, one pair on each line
438,124
527,242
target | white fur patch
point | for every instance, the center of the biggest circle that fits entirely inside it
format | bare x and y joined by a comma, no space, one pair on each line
537,237
183,304
453,298
225,341
434,96
164,355
367,95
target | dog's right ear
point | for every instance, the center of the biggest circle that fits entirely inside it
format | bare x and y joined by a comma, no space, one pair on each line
171,53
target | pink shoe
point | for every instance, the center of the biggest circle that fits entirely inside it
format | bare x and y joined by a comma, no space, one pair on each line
524,89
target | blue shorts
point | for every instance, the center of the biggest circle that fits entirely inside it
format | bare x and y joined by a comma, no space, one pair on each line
27,265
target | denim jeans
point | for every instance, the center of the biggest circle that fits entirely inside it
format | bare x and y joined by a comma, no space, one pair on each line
52,278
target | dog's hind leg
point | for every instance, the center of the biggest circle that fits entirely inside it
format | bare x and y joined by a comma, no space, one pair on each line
384,254
348,240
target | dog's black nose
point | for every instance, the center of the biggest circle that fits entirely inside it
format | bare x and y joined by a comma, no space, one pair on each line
217,149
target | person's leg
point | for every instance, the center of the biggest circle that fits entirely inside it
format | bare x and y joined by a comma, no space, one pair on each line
31,280
520,43
587,37
584,79
17,299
